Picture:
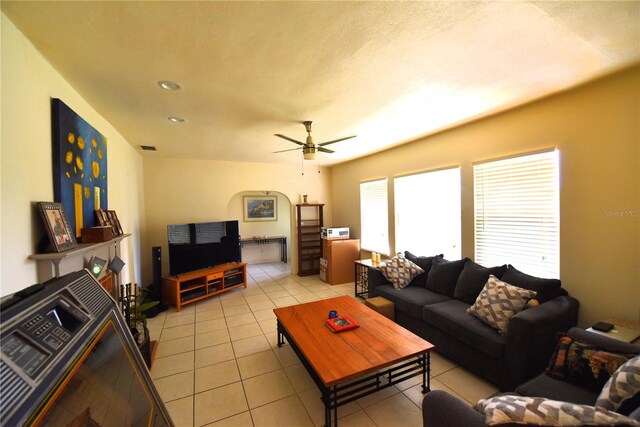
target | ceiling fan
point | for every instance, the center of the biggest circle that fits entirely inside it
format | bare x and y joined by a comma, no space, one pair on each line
309,148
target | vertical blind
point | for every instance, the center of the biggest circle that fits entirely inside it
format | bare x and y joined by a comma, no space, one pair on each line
427,211
374,216
517,213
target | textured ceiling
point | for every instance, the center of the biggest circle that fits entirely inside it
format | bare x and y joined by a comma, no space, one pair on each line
389,72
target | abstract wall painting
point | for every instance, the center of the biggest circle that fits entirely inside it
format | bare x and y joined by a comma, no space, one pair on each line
79,166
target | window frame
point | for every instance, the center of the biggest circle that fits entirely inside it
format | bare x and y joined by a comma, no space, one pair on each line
370,220
517,212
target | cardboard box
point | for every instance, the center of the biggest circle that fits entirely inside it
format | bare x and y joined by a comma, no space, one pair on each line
97,234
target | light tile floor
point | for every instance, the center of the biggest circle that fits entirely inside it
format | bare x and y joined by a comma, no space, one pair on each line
218,363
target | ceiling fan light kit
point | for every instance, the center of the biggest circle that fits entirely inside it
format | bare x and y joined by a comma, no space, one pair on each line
309,153
309,148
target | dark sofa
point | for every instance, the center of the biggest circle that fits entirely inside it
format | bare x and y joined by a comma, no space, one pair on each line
434,306
441,409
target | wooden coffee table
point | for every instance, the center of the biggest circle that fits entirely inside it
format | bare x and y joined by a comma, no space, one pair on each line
352,364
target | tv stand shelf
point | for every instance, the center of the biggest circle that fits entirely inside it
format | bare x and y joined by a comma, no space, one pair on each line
197,285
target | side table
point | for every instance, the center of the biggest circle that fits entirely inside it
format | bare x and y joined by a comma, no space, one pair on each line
361,282
623,323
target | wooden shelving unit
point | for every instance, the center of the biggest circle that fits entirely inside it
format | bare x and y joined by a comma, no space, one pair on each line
309,220
196,285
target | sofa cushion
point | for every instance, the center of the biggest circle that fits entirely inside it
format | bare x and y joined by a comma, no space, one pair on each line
452,318
624,384
546,412
443,276
400,271
424,262
584,364
473,278
411,299
499,302
546,289
545,386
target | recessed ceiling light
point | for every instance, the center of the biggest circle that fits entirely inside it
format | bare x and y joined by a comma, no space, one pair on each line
169,85
176,119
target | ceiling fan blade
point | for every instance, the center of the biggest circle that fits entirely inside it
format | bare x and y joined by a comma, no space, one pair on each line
292,149
324,150
288,139
336,140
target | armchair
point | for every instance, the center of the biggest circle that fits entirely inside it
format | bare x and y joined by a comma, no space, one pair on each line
441,409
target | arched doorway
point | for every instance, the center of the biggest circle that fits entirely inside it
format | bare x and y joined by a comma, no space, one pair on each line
280,226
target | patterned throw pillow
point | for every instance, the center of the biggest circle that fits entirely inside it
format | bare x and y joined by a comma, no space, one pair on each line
623,384
583,364
399,271
545,412
498,302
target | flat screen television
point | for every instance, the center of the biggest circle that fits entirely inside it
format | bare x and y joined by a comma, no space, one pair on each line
201,245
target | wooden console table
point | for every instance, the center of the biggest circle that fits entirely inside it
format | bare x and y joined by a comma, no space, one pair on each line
196,285
267,240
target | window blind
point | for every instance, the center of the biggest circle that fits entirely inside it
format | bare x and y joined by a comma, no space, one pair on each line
517,213
428,222
374,216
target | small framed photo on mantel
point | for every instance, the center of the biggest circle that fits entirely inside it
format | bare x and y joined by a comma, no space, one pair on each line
109,218
57,225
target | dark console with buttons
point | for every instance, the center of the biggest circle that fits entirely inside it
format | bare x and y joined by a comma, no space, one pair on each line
65,352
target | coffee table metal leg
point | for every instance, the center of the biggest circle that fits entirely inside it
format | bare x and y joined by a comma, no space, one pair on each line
280,336
426,372
327,407
330,400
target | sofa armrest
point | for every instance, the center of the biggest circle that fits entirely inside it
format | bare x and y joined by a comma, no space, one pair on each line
375,278
603,341
531,336
558,314
440,409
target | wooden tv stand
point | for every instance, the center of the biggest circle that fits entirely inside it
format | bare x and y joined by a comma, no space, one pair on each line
197,285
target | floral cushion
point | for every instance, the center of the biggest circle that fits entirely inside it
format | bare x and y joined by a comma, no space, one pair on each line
583,364
546,412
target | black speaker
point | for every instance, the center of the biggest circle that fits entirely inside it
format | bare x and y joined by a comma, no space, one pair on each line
156,286
156,268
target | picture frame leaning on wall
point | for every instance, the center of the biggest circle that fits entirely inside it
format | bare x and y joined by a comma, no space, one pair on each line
61,237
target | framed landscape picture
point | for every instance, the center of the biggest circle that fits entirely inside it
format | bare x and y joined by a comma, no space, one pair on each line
57,225
260,208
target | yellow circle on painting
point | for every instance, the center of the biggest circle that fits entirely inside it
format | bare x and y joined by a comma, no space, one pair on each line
100,153
87,192
94,143
81,143
95,168
69,157
79,163
71,138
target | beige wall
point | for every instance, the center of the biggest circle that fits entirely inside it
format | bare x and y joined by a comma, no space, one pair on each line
178,190
28,83
596,127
